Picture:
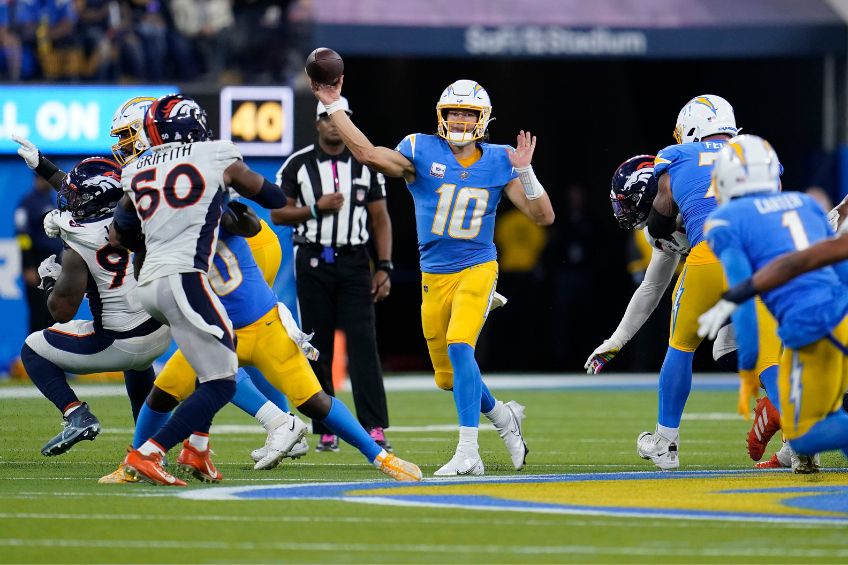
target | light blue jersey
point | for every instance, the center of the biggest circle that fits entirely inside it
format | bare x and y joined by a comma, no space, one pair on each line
239,282
767,225
690,166
454,205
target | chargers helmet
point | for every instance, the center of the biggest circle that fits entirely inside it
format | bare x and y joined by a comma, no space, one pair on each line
127,126
634,188
466,95
702,116
91,189
176,118
745,165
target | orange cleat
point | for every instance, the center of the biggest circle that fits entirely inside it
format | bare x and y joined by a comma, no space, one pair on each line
773,463
766,424
395,467
199,464
149,468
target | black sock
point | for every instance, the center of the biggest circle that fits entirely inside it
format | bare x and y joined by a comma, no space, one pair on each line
196,412
729,362
139,384
49,379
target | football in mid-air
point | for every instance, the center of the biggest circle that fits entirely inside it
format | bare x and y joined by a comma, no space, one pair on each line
324,66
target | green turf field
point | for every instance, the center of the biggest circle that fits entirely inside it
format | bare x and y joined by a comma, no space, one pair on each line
53,510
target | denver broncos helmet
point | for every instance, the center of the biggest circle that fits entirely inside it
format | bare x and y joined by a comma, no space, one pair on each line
634,188
176,118
92,188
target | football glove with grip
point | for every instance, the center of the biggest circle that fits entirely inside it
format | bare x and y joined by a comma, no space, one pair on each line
677,243
832,218
27,150
602,355
51,225
711,321
49,269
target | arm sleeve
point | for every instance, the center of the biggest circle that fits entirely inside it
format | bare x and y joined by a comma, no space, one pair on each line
377,190
646,297
737,268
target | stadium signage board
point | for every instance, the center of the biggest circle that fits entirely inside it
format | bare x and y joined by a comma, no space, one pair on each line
258,119
65,120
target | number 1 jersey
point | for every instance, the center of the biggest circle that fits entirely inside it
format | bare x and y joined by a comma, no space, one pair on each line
765,226
178,192
454,205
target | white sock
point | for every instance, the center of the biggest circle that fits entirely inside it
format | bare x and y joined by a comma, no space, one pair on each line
379,459
73,407
499,415
671,434
467,440
271,417
199,441
149,447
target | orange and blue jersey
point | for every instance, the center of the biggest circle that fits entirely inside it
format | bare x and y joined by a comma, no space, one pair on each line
455,205
752,230
238,281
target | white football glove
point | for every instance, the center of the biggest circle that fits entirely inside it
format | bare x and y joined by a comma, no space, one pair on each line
677,242
833,219
498,300
602,355
27,150
49,269
51,224
713,319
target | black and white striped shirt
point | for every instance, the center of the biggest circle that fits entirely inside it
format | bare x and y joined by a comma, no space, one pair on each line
310,173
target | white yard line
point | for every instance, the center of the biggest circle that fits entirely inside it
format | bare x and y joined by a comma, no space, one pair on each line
417,383
651,550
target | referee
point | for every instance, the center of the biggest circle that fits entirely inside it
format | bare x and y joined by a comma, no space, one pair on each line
331,196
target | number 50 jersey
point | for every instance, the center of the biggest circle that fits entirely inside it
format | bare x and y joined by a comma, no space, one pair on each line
178,191
455,205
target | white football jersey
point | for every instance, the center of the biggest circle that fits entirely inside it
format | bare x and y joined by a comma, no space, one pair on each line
178,191
111,287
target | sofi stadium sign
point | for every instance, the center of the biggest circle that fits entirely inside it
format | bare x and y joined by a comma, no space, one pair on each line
65,119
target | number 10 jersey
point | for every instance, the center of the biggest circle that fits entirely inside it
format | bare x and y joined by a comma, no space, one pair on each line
454,205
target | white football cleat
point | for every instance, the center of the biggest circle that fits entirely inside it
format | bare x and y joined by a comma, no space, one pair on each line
462,464
300,449
511,434
282,440
805,464
661,452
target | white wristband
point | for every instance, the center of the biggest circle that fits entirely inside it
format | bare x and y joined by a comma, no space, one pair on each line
332,107
533,189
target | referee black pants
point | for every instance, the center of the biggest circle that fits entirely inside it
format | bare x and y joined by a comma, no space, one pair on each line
338,295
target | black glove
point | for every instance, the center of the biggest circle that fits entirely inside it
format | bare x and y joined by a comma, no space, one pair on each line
240,219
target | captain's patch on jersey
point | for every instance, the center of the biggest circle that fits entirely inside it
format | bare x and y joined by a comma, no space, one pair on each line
438,170
770,496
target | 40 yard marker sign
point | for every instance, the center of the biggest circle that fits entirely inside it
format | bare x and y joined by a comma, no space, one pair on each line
710,495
